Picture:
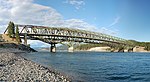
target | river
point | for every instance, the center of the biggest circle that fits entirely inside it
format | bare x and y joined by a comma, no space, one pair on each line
97,66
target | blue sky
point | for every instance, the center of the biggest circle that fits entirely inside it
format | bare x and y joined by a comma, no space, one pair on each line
133,15
128,19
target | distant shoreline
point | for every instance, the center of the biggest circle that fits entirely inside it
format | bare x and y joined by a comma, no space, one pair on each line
97,49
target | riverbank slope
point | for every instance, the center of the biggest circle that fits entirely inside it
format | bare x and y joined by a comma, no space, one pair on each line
17,47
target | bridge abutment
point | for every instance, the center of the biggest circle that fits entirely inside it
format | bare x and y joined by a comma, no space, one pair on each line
53,47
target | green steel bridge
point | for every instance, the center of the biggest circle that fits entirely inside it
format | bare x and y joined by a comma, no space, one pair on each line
54,35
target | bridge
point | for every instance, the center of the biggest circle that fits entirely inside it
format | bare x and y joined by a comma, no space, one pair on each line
54,35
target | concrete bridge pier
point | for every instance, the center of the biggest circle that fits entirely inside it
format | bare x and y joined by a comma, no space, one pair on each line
71,49
71,46
25,39
53,47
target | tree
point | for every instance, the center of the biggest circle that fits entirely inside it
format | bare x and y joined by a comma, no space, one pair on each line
11,29
147,46
17,35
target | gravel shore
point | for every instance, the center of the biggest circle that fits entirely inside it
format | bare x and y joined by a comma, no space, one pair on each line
14,68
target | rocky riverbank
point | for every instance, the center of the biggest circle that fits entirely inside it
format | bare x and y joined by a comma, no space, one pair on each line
14,68
20,47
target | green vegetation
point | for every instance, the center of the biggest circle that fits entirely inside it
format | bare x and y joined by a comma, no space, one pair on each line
88,46
13,33
17,35
115,46
147,46
11,29
142,44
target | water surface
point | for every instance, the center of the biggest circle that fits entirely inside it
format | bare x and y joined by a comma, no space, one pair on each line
96,66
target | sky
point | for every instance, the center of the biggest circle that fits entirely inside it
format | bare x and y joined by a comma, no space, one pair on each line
128,19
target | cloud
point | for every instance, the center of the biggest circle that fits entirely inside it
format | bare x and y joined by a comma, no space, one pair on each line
80,24
110,31
76,3
105,30
116,20
27,12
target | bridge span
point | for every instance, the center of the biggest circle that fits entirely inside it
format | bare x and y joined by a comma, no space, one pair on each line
54,35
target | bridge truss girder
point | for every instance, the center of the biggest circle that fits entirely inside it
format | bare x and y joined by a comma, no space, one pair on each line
57,35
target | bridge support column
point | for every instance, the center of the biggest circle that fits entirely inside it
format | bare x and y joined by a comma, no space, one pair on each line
71,49
25,39
53,47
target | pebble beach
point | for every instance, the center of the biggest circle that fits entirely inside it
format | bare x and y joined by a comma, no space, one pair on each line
15,68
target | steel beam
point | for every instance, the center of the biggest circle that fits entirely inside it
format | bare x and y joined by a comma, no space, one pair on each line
50,34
